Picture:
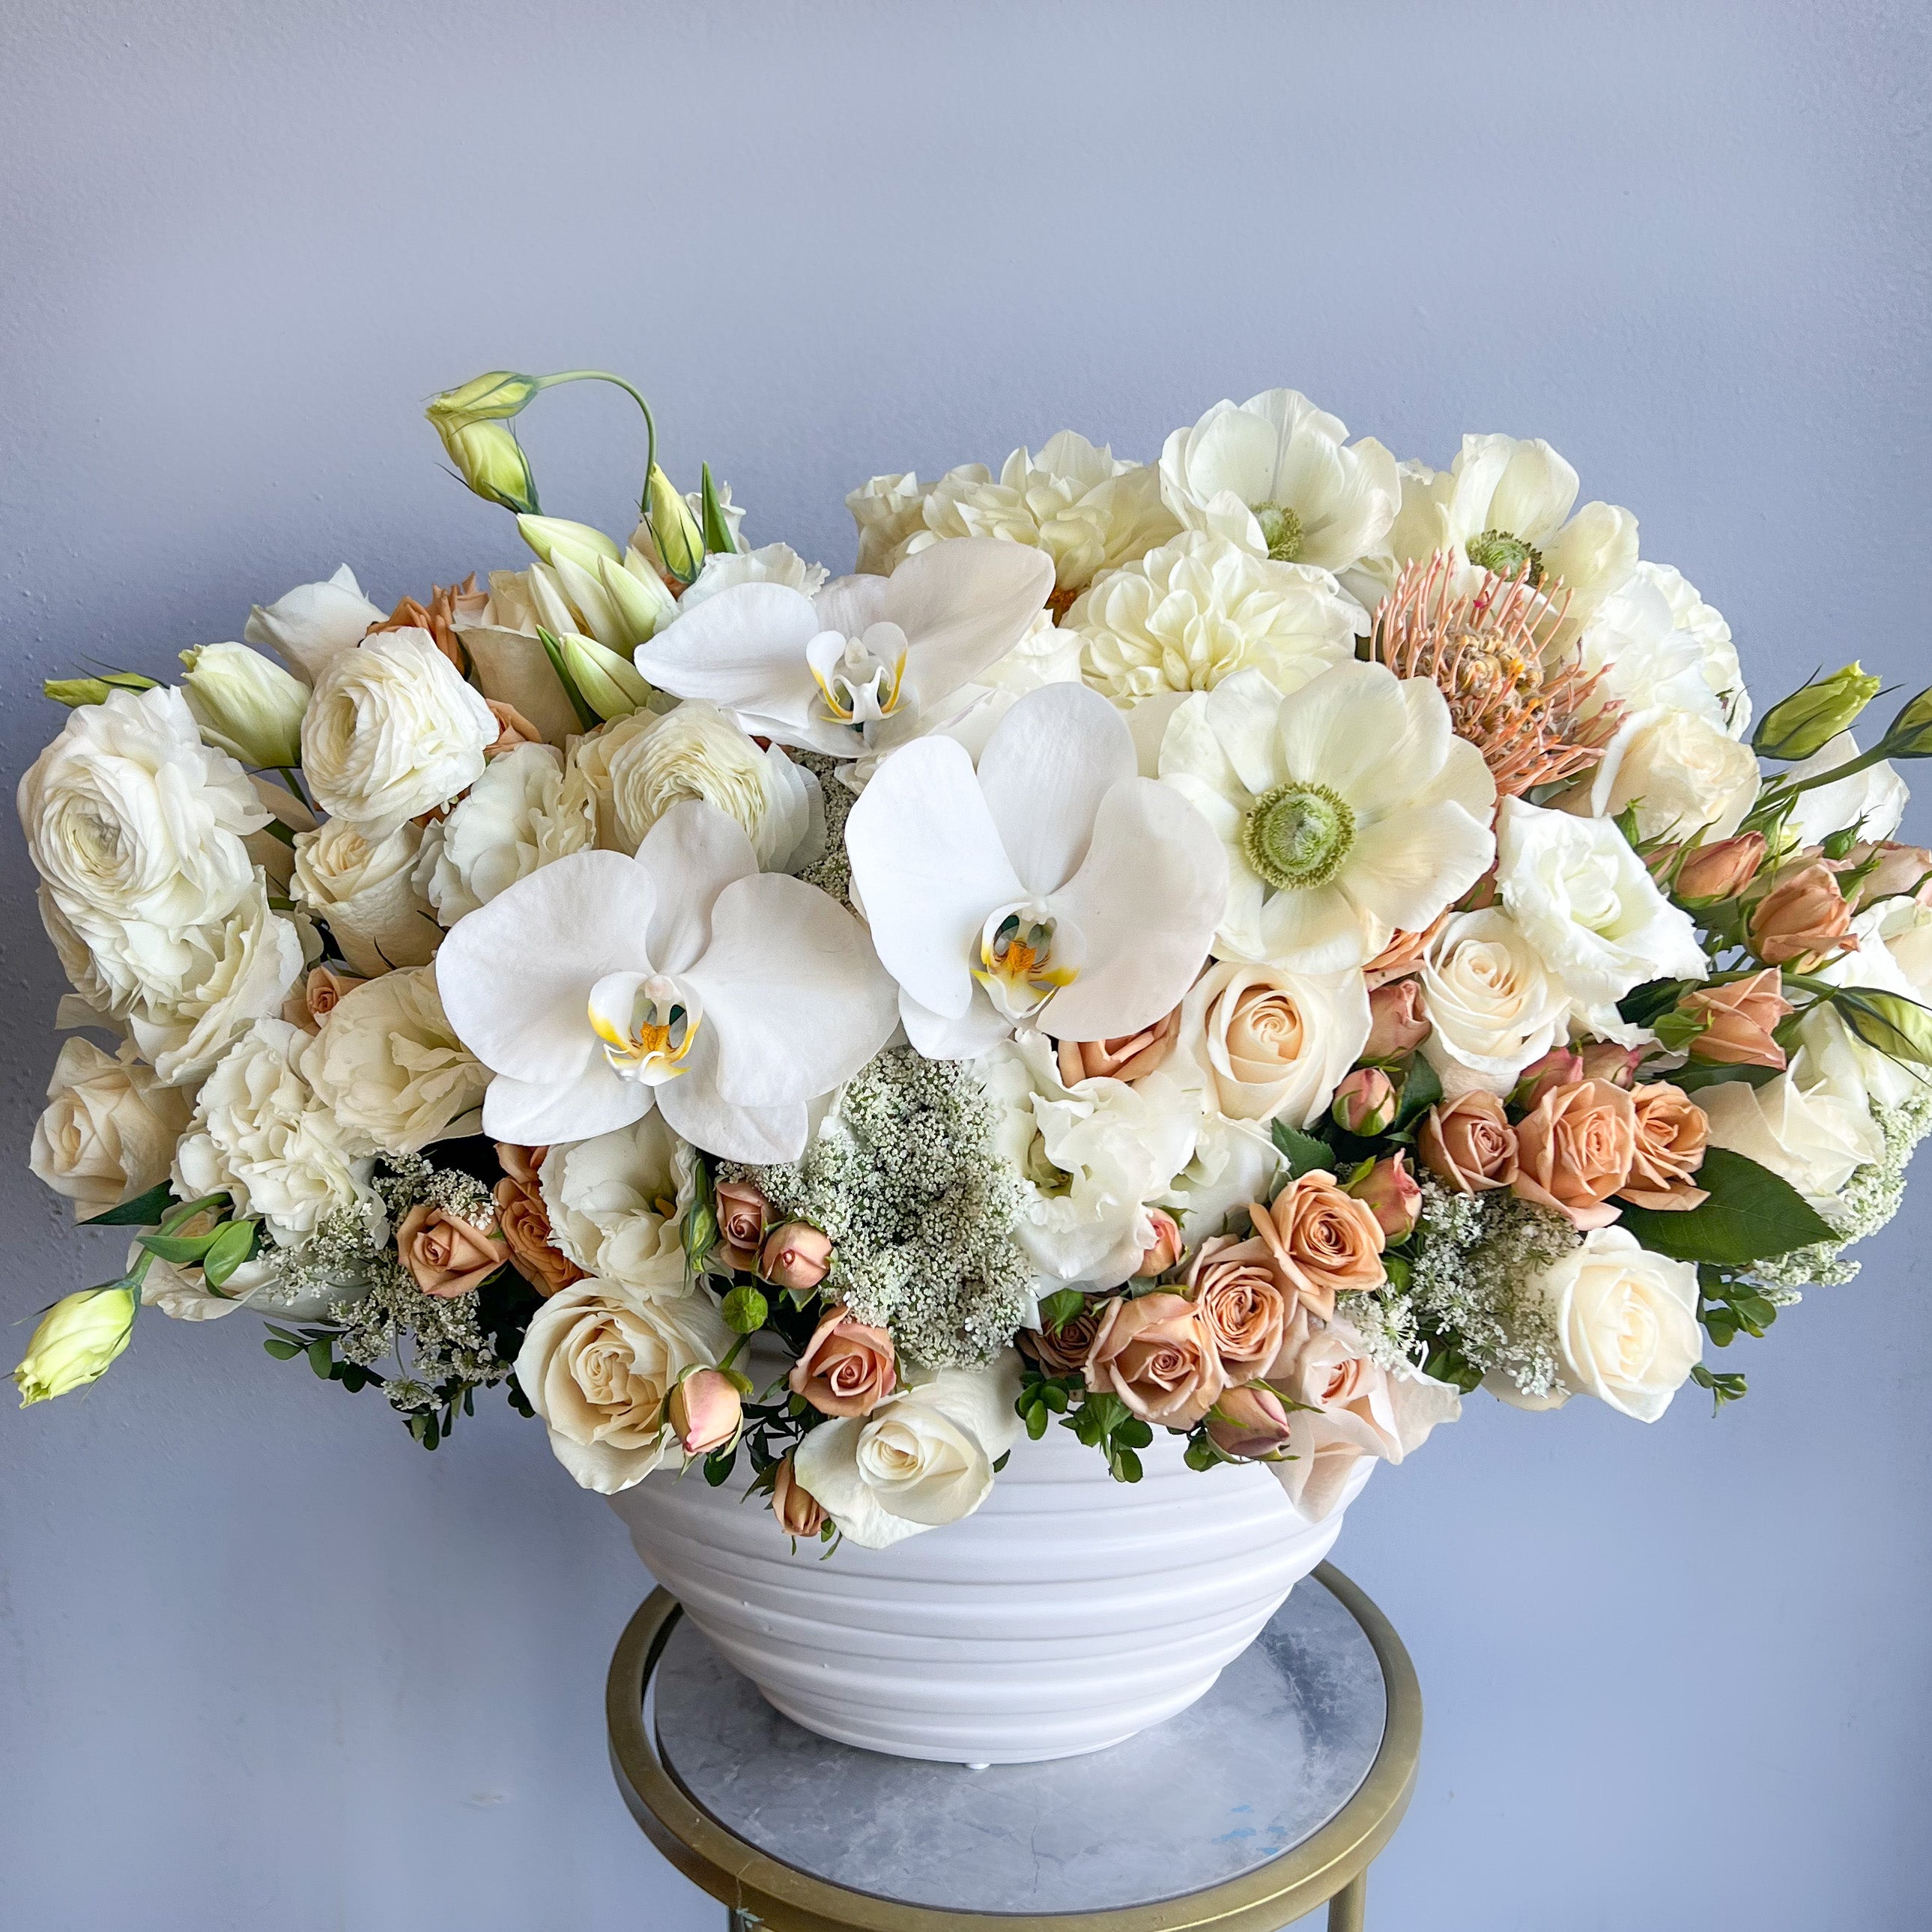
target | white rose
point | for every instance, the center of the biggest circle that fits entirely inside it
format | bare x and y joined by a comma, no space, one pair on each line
1492,1007
246,704
775,563
260,1134
388,1064
1904,927
393,731
1625,1320
314,622
1810,1124
616,1202
109,1129
1680,772
1873,800
523,811
598,1363
1270,1042
921,1459
1586,903
129,816
1199,609
364,891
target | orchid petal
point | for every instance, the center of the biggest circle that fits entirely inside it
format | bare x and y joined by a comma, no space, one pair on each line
850,605
532,1113
743,648
690,855
977,1030
964,604
693,1108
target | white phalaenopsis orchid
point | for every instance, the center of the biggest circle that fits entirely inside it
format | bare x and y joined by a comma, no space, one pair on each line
685,978
868,662
1052,885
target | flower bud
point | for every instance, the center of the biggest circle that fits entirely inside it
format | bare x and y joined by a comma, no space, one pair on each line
795,1256
1716,872
491,461
1249,1422
680,544
1163,1252
1735,1024
246,704
1365,1103
1808,720
75,692
639,602
1910,734
705,1412
1389,1191
485,398
77,1341
1899,1027
1803,918
795,1507
554,537
1659,861
742,1211
609,684
1559,1067
1894,871
1604,1060
1397,1024
744,1309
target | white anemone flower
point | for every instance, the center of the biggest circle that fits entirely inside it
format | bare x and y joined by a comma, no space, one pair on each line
601,985
1348,810
1278,476
867,663
1054,885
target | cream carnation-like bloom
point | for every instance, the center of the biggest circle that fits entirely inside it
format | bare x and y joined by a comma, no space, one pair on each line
364,891
1348,810
1199,609
1657,642
522,813
615,1202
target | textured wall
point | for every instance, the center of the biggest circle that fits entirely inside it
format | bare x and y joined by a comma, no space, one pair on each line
263,1662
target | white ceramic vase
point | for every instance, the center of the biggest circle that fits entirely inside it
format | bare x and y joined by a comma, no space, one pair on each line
1068,1613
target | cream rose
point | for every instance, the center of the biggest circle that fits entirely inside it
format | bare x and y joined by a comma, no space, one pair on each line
1492,1007
364,891
109,1129
598,1363
615,1203
522,813
1625,1320
921,1459
129,816
1682,773
389,1066
393,731
1811,1124
1271,1042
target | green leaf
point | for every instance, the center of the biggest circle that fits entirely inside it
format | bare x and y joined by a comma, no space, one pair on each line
1035,1419
1421,1088
282,1352
1303,1152
716,531
1001,1462
1642,1004
1060,1308
1752,1215
234,1242
143,1211
1127,1466
184,1250
586,716
322,1356
1691,1078
719,1465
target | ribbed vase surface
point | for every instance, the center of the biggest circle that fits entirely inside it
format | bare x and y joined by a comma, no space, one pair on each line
1069,1612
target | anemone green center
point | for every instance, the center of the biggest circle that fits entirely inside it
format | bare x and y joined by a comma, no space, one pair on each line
1298,835
1503,553
1281,531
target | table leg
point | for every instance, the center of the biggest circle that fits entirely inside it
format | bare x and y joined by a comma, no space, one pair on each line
1347,1908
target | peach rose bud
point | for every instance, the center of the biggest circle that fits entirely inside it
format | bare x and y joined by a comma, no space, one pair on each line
1672,1132
847,1368
795,1255
1469,1145
1325,1242
1397,1024
325,989
742,1211
1804,918
1899,870
1365,1102
1719,871
795,1507
1163,1252
1604,1060
1575,1149
1064,1350
1130,1057
1737,1021
705,1411
1155,1353
1559,1067
446,1257
1249,1422
1389,1192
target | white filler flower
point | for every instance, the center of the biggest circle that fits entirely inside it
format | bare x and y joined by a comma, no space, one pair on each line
684,978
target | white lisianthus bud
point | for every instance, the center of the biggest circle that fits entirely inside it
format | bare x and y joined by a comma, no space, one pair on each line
491,461
606,682
246,704
76,1343
313,622
580,544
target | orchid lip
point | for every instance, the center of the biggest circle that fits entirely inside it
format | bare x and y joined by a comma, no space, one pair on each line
861,679
648,1024
1027,954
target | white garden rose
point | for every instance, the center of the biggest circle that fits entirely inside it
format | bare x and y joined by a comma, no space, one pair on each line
393,731
598,1363
616,1203
129,816
1625,1320
922,1459
1270,1043
1810,1124
261,1135
364,891
389,1063
314,622
1658,644
774,563
1905,928
1873,800
1202,608
1681,773
525,811
1587,904
1491,1005
109,1129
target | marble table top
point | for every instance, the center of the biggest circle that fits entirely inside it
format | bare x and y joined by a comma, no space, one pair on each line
1268,1757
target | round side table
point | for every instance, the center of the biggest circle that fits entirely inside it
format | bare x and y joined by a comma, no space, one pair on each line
1266,1798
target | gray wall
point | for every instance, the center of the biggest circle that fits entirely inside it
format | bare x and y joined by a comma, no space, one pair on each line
262,1662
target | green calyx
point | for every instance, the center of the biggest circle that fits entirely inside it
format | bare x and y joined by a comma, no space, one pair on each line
1297,836
1503,553
1281,531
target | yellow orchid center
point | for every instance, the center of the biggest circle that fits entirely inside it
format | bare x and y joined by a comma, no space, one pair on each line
647,1026
1017,966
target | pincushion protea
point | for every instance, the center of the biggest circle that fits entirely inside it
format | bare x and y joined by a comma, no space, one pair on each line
1530,715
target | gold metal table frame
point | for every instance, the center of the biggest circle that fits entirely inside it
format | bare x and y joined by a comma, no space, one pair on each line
1329,1867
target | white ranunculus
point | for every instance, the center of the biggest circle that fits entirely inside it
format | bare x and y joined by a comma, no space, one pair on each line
1587,905
598,1363
1811,1123
888,511
1683,773
1657,642
109,1129
775,563
1270,1042
364,891
1493,1006
522,813
129,816
1094,1156
1348,809
1873,800
389,1064
1625,1320
1199,609
1278,475
314,622
246,704
922,1459
393,731
260,1133
616,1202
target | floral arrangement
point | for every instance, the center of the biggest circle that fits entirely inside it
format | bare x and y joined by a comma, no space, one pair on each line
1257,946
